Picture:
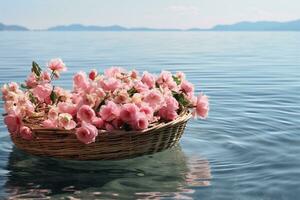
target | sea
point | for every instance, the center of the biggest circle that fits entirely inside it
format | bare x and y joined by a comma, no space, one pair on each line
248,147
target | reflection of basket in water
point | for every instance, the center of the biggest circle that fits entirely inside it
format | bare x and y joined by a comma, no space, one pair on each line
108,146
160,175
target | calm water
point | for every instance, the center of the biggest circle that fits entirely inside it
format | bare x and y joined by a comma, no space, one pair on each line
249,148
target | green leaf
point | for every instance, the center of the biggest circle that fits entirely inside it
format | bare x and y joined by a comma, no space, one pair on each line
132,91
32,98
24,86
36,68
180,98
53,97
177,80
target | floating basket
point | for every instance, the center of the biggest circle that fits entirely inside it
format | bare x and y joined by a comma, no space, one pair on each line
59,143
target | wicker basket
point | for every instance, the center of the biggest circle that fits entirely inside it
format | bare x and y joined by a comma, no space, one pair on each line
115,145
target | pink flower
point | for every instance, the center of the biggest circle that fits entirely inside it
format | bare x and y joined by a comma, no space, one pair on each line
87,133
13,123
42,91
65,121
154,99
57,65
134,74
180,75
117,123
110,111
141,87
148,111
113,72
53,114
86,113
167,114
98,122
109,127
129,112
148,79
13,86
122,97
26,133
202,106
4,90
136,98
141,122
169,111
65,107
187,87
80,81
46,76
48,123
165,79
93,74
31,81
110,84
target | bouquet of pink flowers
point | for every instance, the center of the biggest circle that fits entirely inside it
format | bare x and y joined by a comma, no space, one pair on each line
113,100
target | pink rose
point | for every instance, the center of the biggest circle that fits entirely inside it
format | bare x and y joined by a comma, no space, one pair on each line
4,90
154,99
165,79
98,122
46,76
141,122
117,123
129,112
65,121
122,97
187,87
42,91
113,72
167,114
148,79
57,65
13,123
110,111
169,111
141,87
109,127
80,81
86,113
13,86
180,75
134,74
148,111
31,81
65,107
202,106
26,133
93,74
110,84
53,114
48,123
87,133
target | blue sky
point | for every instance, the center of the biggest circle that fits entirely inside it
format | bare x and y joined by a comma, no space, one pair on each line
38,14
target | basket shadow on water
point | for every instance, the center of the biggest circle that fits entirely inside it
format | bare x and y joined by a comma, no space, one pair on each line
38,177
108,146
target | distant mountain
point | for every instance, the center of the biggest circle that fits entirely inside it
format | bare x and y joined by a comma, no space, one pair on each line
241,26
4,27
80,27
260,26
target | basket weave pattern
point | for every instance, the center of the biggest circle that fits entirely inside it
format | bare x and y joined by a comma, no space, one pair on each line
115,145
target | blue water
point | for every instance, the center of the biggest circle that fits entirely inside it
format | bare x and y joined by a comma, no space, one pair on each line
248,148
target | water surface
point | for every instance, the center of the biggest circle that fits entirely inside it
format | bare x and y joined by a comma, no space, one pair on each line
248,148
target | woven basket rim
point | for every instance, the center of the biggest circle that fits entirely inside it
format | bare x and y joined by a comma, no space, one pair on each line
183,116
